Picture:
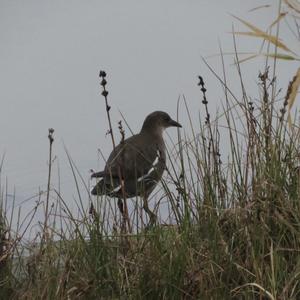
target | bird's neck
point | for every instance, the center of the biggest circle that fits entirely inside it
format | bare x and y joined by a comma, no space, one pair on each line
155,132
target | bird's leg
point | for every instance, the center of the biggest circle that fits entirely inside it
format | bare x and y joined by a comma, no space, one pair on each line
120,206
123,214
150,213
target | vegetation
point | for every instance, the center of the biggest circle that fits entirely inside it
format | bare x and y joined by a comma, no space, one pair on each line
233,226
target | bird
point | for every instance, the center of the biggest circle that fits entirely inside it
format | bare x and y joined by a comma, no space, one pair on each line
137,164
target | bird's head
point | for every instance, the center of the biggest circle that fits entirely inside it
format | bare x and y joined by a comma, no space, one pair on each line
158,121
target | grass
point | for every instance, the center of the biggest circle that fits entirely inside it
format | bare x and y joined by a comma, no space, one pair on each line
233,225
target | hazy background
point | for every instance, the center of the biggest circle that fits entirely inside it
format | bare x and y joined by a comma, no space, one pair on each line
50,56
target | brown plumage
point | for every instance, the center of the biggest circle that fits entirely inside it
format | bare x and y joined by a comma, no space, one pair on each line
139,160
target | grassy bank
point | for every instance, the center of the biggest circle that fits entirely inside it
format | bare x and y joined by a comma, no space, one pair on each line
235,231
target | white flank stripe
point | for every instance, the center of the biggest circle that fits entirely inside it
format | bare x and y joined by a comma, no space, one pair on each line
116,189
141,178
156,161
152,167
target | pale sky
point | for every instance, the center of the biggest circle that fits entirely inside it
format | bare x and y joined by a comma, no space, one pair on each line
51,53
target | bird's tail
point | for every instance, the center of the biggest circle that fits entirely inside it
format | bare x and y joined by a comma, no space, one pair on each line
98,174
98,189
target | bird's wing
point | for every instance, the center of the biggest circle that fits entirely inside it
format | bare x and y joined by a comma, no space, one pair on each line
137,160
132,158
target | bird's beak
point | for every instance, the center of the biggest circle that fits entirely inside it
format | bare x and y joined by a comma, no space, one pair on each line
174,123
